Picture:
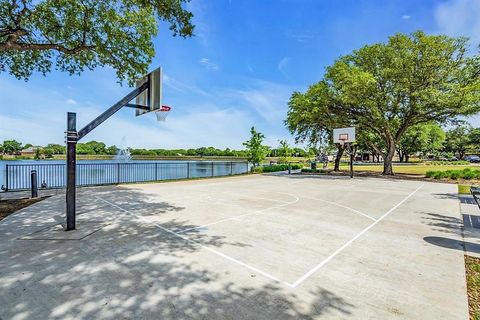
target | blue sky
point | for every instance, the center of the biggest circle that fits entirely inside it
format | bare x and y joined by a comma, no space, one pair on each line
238,71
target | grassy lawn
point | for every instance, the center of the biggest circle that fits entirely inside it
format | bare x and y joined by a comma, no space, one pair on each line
417,169
472,268
463,189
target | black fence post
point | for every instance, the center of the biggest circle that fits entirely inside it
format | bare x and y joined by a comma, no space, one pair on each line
188,170
6,177
156,171
231,167
289,168
212,168
71,169
33,183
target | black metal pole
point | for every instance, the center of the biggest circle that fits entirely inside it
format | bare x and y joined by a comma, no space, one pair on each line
6,177
33,184
71,168
351,161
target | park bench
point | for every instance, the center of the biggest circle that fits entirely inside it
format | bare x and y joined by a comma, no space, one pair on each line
475,191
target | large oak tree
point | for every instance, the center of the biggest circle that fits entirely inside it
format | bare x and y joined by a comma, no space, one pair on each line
73,35
387,88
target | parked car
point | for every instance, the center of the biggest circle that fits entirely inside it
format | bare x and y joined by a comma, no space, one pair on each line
473,159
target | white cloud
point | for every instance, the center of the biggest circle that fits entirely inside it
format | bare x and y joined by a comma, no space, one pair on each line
71,101
268,100
208,64
459,18
406,17
283,64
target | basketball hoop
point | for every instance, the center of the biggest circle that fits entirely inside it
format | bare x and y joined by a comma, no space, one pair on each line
342,138
162,113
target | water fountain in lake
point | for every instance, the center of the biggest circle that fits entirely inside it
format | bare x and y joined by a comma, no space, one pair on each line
123,153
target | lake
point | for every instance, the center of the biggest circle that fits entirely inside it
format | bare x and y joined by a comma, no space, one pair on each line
99,172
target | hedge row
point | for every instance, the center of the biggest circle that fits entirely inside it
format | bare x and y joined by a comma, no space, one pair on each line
467,174
277,167
449,163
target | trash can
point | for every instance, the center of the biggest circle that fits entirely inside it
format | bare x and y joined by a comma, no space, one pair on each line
313,165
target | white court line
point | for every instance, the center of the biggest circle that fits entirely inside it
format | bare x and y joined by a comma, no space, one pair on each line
245,215
324,262
342,206
199,244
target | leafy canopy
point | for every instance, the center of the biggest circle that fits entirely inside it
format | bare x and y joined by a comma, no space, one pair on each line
310,115
72,35
411,79
425,138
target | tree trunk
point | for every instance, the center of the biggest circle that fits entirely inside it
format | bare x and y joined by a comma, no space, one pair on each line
401,155
407,157
340,150
388,157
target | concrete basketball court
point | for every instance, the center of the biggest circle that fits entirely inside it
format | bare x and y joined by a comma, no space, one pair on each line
248,247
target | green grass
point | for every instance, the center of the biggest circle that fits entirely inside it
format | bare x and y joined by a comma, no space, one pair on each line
463,189
415,169
472,267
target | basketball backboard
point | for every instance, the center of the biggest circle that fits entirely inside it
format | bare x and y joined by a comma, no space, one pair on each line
344,135
152,97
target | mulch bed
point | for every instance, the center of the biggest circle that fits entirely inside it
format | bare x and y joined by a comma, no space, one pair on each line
472,268
7,207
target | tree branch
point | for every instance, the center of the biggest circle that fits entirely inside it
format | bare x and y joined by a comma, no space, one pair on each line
43,47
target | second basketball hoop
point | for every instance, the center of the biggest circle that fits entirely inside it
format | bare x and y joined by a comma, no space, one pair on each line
344,135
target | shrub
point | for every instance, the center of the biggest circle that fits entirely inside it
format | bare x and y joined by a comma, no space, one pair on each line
467,174
277,167
449,163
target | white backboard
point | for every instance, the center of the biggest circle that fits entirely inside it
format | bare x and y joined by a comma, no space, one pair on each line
152,97
344,135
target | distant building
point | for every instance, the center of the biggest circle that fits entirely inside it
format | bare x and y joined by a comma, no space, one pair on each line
28,151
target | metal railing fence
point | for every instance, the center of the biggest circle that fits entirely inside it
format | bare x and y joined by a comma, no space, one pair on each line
17,176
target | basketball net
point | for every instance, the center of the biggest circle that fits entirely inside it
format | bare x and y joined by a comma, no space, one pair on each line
162,113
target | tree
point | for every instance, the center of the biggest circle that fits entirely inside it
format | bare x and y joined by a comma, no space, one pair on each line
48,152
38,153
387,88
112,150
424,138
256,152
458,140
84,148
310,118
57,148
11,146
474,138
284,151
435,137
71,35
